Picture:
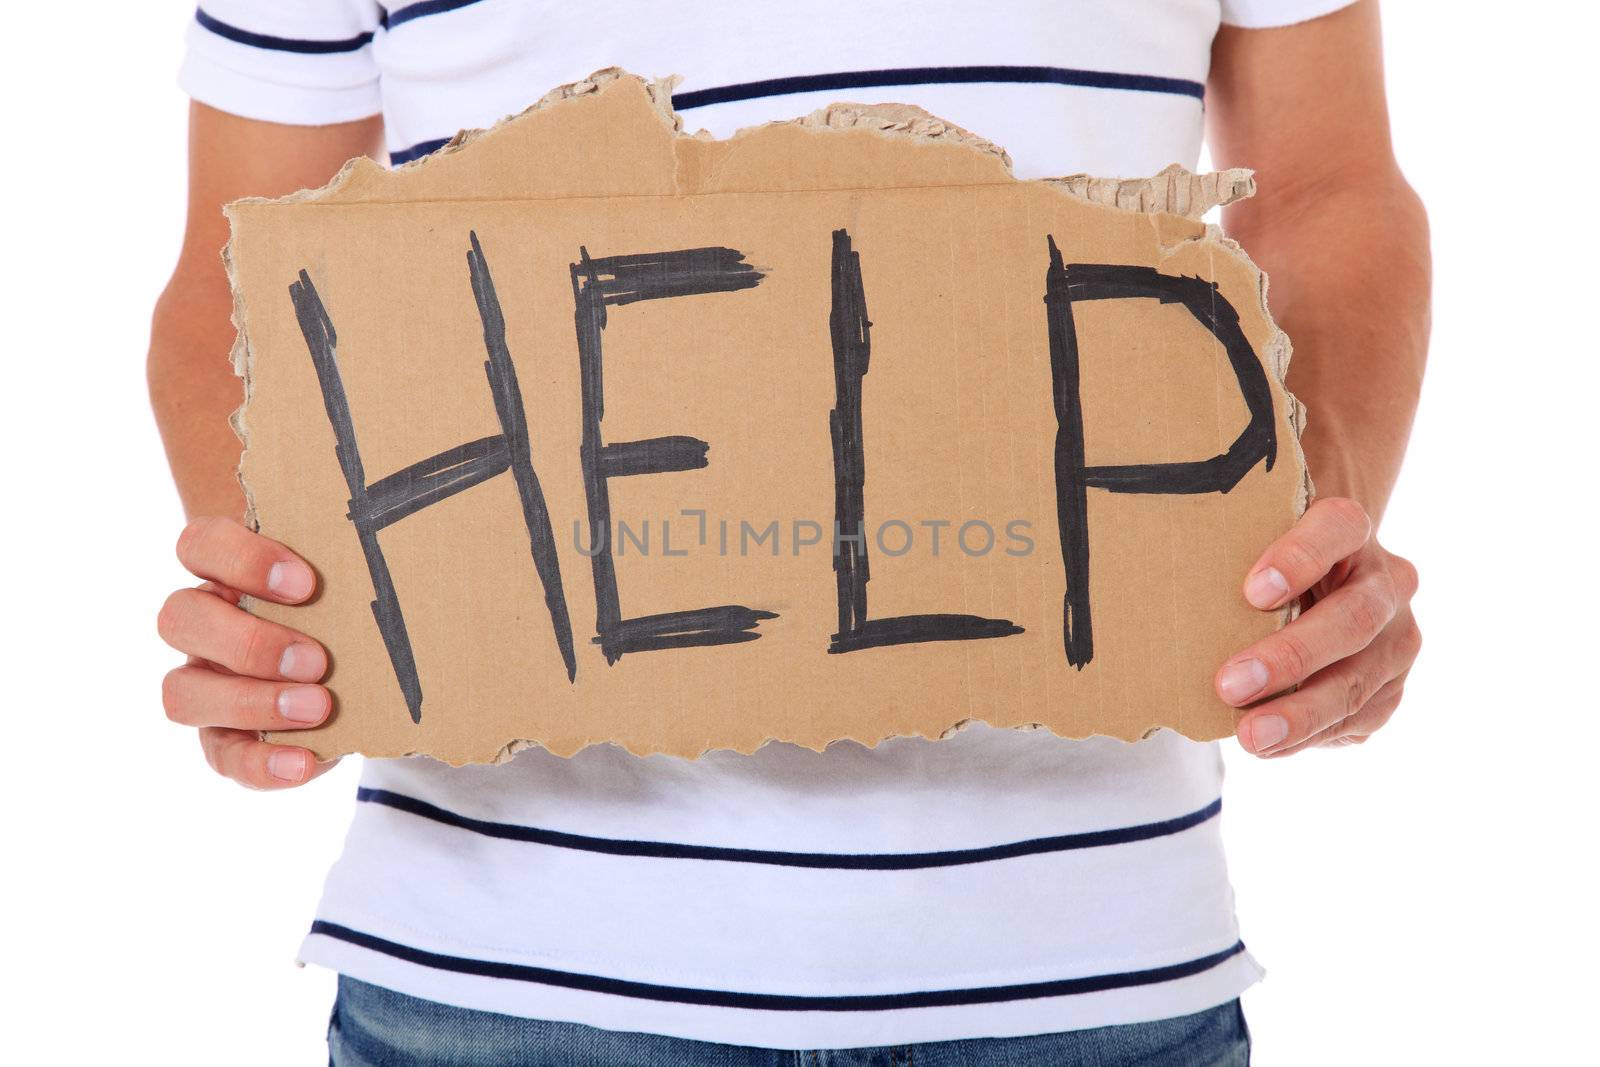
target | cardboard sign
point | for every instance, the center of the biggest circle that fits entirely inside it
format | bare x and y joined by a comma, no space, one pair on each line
599,432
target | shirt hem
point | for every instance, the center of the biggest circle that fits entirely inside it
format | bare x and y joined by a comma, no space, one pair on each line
247,96
1249,15
792,1030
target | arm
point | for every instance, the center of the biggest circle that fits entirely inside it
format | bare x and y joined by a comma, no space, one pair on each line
243,674
192,385
1344,241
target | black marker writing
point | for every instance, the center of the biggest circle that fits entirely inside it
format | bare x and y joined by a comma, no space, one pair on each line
851,333
375,506
611,281
1067,285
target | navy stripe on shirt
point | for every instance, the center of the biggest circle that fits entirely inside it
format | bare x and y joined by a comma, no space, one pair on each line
848,861
279,44
867,79
399,17
875,79
933,998
417,151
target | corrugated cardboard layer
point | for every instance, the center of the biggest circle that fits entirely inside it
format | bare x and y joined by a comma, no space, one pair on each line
959,416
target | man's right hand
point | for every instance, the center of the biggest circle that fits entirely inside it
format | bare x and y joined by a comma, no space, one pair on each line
244,674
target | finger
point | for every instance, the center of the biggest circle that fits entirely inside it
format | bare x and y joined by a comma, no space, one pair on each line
1338,626
1330,530
1355,730
1374,714
223,551
200,696
221,592
1326,700
195,622
245,758
1398,647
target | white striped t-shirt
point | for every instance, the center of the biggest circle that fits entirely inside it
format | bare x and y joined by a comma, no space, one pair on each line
995,883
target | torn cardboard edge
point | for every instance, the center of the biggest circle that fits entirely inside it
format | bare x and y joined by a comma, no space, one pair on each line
1174,191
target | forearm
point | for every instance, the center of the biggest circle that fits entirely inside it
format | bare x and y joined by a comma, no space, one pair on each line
192,385
1349,273
1341,236
193,391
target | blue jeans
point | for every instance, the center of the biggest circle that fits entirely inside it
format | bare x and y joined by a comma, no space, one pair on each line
376,1027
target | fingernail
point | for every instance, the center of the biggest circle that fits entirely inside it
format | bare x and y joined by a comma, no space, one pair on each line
1240,681
1267,730
290,580
287,766
303,703
302,663
1266,588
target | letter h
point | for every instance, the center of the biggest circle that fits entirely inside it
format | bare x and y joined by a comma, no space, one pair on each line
384,502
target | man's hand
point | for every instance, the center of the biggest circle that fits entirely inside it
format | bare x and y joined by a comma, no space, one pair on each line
1332,203
1349,651
244,674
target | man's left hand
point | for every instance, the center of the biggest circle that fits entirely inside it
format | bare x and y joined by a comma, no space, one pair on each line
1349,651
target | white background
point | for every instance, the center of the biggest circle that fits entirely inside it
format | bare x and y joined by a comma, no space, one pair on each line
1428,898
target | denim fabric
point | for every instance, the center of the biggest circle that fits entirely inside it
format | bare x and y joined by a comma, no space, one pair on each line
376,1027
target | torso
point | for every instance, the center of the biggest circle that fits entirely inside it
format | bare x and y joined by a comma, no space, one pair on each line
824,906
